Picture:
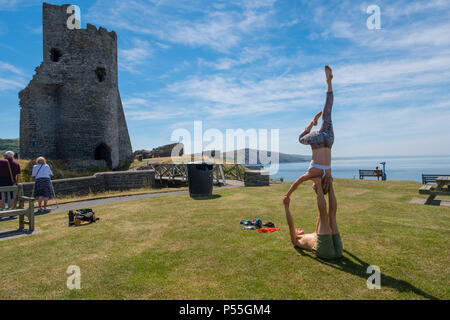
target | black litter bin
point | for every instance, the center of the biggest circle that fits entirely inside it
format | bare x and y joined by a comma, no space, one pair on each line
200,178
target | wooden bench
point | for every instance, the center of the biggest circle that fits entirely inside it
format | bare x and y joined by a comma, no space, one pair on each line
427,180
370,173
18,207
426,189
431,178
431,187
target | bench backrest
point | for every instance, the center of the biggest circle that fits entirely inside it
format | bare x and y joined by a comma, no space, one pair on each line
370,172
431,178
7,194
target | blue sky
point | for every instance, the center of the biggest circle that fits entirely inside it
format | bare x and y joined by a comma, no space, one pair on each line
259,64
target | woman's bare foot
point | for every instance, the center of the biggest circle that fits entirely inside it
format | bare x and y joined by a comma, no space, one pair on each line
299,232
328,73
316,118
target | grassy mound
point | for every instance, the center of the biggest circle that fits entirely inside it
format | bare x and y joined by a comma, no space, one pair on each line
9,144
59,169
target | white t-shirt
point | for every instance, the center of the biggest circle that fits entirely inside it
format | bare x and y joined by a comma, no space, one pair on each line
44,171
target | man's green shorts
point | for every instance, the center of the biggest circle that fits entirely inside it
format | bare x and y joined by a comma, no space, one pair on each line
329,246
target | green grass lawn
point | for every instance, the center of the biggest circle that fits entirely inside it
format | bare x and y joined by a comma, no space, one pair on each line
175,247
110,194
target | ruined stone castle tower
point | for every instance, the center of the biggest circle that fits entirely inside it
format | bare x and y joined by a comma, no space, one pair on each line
71,109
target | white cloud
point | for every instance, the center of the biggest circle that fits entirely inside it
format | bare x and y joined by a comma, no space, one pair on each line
254,4
159,113
246,56
357,85
130,59
4,66
140,108
341,29
11,84
405,25
290,23
11,77
218,29
400,9
133,103
221,31
410,37
15,4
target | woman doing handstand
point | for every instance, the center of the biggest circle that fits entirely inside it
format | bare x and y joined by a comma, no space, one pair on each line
320,141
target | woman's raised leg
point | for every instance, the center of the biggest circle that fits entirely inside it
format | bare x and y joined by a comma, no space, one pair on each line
329,75
327,125
309,175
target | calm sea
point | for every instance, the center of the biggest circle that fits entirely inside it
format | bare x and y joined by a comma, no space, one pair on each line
397,168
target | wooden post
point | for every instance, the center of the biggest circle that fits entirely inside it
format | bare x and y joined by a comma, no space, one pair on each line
216,169
21,222
20,194
3,200
221,173
31,218
8,200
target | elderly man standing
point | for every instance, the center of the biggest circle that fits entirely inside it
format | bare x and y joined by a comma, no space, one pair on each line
9,171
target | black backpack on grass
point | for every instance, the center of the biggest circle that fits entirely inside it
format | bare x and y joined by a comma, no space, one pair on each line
81,217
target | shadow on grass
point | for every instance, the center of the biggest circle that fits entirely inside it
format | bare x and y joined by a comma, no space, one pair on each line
358,268
43,212
11,234
36,213
8,219
214,196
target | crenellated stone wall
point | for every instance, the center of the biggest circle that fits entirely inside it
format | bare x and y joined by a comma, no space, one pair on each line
72,109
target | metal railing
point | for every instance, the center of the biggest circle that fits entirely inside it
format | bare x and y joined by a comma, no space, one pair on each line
172,172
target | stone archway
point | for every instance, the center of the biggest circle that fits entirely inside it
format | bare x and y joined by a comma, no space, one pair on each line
103,152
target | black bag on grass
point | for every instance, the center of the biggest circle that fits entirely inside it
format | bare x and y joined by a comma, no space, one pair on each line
81,217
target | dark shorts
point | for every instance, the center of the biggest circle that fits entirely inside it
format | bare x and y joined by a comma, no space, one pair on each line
329,246
6,182
43,188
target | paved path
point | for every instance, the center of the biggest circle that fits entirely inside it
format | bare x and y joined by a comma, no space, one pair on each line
442,203
99,202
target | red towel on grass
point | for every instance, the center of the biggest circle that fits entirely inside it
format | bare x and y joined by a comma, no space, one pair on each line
268,230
